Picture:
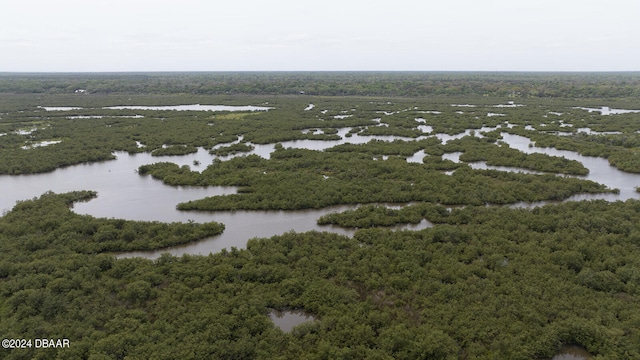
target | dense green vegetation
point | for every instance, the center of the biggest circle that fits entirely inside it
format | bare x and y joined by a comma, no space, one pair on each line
543,85
476,149
90,132
231,149
484,282
175,150
300,179
47,222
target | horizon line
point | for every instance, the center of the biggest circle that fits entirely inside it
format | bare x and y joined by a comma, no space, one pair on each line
316,71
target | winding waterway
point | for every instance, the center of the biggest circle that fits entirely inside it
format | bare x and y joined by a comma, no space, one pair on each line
599,170
122,193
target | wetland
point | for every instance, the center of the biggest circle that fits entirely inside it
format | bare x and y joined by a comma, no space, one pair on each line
321,225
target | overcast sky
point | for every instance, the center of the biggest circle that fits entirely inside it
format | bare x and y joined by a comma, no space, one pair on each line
277,35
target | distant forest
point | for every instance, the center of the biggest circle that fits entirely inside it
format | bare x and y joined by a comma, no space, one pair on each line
515,84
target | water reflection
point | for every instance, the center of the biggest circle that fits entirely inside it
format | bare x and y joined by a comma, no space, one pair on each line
482,165
600,170
242,225
287,320
445,138
417,157
572,352
122,193
605,110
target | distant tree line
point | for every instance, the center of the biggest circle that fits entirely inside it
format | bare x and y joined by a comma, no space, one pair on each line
516,84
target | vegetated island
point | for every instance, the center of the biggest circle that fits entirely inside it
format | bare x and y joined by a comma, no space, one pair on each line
483,282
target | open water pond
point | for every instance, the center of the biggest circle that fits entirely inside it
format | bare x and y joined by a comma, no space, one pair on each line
287,320
572,352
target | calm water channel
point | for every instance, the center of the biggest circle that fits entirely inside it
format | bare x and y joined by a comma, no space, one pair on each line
122,193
